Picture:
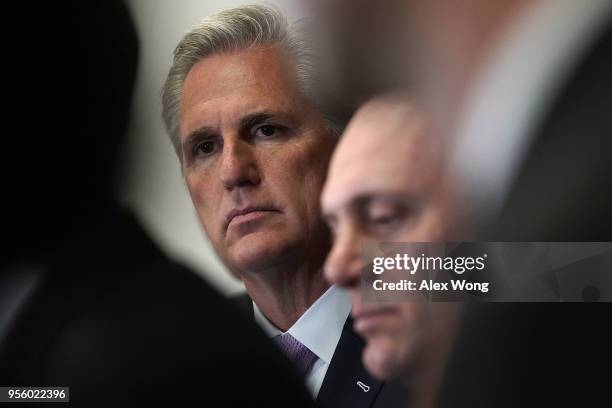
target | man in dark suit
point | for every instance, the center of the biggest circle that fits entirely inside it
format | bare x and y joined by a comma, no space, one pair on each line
384,189
523,90
254,138
87,300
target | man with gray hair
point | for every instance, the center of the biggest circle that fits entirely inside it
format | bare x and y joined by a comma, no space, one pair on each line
254,144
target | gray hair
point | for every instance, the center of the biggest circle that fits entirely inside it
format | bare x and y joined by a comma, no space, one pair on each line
237,29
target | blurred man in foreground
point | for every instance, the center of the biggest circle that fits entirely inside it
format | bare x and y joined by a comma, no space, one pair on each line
522,88
387,183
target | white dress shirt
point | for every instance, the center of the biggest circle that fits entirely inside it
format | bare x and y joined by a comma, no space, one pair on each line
514,89
319,329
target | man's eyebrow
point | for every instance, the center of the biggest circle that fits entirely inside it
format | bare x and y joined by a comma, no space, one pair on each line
256,118
351,202
366,198
197,135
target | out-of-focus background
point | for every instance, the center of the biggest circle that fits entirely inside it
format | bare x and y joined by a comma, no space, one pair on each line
151,182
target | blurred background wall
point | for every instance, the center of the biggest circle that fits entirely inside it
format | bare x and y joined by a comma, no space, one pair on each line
151,182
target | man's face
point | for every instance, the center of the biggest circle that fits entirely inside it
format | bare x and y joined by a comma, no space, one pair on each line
255,153
385,184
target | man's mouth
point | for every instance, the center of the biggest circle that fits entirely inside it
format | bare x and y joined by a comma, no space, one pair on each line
247,214
369,319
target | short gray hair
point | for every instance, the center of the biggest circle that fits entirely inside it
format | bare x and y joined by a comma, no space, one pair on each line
237,29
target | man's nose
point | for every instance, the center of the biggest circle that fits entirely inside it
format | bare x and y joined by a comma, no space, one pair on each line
239,165
343,264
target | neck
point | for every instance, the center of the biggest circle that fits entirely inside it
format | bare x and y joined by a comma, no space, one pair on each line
283,295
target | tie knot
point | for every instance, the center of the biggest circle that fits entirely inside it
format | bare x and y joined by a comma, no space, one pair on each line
299,354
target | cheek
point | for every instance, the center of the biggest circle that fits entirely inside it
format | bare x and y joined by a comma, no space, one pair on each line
414,316
429,226
415,328
302,169
196,191
397,325
434,225
203,199
314,167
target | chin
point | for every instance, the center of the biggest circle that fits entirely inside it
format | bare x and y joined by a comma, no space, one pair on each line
388,358
379,361
257,251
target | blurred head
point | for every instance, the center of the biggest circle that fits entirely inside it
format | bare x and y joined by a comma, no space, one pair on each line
432,46
73,104
254,146
387,183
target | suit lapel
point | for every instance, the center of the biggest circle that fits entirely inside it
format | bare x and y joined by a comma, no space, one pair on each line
341,386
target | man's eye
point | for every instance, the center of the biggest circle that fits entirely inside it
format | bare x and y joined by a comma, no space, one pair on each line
206,148
267,131
385,223
385,219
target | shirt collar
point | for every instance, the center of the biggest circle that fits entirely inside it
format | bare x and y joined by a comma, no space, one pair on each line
320,327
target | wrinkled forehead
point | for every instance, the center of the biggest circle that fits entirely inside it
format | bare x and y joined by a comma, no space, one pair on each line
235,83
219,74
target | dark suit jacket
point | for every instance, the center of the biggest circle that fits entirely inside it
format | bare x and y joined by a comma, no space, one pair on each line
114,319
339,388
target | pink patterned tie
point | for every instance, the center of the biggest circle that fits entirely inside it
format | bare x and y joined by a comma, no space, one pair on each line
299,354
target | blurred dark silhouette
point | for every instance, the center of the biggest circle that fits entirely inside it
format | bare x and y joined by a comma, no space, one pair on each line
87,300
